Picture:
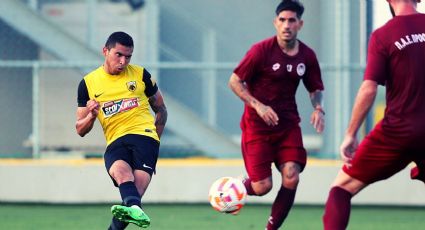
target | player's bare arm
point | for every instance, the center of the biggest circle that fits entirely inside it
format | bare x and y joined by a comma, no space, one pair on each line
265,112
317,117
86,117
158,106
364,101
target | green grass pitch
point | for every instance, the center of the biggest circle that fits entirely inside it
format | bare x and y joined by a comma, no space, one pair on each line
201,216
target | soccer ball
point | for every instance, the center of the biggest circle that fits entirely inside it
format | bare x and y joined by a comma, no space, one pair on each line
227,195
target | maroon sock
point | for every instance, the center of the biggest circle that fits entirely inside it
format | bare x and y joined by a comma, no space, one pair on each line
248,186
280,208
337,209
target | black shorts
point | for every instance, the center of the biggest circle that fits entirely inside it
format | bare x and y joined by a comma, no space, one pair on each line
140,152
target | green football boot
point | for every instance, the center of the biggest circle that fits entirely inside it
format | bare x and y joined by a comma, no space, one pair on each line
133,214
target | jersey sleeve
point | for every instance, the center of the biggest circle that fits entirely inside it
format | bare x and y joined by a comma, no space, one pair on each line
313,80
249,64
151,87
83,94
376,62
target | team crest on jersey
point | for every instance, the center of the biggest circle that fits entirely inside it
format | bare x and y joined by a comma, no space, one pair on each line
276,66
289,68
301,69
113,107
131,86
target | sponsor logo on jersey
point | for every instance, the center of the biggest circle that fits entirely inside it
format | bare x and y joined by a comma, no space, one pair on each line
301,69
113,107
276,66
96,95
131,86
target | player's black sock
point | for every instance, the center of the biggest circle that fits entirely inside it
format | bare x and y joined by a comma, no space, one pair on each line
129,194
117,225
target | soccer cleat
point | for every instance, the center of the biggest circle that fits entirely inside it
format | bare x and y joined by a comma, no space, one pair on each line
133,214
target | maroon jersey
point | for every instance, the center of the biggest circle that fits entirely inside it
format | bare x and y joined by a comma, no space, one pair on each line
396,59
272,77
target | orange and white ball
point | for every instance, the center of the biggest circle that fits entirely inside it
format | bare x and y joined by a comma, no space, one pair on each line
227,195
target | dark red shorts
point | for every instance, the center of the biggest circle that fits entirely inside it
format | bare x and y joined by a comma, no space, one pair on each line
261,150
380,156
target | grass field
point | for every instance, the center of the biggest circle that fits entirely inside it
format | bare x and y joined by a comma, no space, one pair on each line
201,216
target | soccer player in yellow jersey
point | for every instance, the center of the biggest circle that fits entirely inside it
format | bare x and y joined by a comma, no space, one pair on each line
119,96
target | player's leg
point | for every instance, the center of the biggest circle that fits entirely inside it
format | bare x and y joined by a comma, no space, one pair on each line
257,153
142,180
116,162
290,160
144,155
285,197
338,204
130,211
378,157
262,187
134,213
247,181
122,173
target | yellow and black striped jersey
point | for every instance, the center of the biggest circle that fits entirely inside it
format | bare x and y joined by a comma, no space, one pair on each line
123,98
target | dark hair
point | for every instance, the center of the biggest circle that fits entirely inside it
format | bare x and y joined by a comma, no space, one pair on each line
119,37
291,5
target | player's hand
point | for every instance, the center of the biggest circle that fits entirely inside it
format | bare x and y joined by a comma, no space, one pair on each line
93,107
268,115
317,120
348,148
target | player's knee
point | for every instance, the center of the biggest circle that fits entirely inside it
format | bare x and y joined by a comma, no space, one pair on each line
121,175
121,172
262,188
290,172
291,181
262,191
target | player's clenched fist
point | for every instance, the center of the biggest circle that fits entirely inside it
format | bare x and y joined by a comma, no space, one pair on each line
93,107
